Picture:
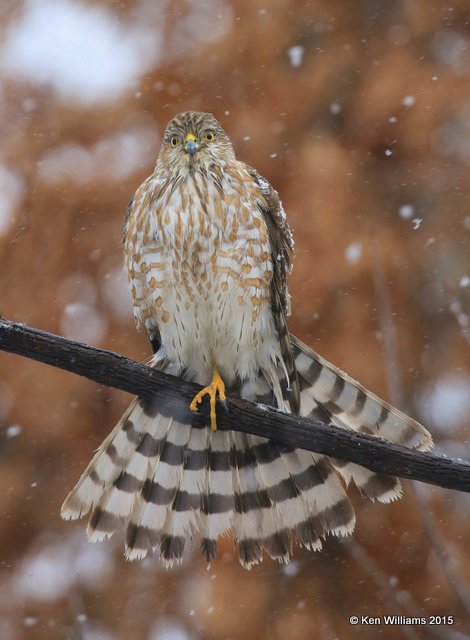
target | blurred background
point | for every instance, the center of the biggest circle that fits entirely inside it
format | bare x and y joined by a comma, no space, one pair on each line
358,112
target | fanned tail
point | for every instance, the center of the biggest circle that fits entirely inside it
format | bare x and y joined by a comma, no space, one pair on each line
169,480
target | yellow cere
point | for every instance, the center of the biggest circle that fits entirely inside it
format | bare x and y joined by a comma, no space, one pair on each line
189,137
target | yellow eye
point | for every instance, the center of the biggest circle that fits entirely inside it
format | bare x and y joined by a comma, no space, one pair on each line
174,141
209,136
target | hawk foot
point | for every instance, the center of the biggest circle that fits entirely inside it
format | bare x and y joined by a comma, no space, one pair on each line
216,386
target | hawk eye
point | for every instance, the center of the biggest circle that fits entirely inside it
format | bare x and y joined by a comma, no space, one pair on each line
209,136
174,141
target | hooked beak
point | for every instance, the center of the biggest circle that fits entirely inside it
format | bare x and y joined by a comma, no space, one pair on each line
191,144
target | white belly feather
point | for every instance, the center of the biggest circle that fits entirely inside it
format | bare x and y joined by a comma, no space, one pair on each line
207,279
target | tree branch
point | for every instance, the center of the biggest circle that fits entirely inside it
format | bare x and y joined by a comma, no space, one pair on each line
173,396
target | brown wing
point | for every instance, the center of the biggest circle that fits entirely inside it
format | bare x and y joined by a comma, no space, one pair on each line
151,328
282,247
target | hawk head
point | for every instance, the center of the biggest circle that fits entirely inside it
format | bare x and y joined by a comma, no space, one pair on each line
194,140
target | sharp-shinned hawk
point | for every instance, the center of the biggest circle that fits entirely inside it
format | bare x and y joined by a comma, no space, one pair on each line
207,249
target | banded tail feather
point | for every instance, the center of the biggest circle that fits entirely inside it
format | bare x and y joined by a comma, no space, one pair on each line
168,480
330,395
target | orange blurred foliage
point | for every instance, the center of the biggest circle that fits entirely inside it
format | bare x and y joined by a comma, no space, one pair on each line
359,114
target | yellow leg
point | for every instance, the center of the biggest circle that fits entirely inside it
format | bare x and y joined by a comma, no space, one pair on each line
216,386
